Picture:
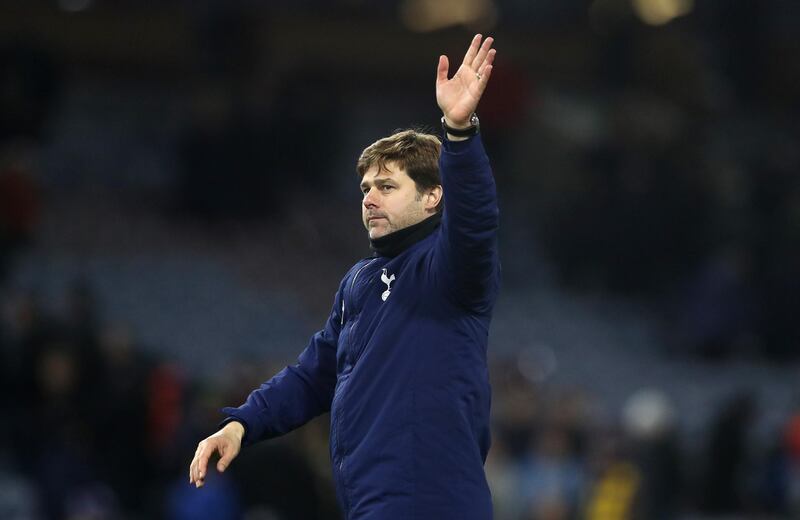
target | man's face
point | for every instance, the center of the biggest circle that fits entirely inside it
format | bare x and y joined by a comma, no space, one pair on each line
392,202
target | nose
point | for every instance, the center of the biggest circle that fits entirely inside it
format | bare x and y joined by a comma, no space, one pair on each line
370,199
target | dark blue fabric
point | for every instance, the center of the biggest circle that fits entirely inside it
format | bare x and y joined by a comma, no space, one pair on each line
405,379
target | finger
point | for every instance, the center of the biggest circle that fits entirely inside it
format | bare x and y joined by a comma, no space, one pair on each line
487,72
473,50
193,470
197,480
443,69
193,466
488,61
223,464
225,459
202,462
482,53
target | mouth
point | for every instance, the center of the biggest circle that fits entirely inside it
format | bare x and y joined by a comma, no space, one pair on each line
370,219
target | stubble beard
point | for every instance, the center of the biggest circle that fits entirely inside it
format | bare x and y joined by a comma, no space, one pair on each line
414,214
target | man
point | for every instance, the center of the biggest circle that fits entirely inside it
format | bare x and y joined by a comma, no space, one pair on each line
401,362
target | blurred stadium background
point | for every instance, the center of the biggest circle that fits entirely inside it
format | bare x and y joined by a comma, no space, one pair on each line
178,202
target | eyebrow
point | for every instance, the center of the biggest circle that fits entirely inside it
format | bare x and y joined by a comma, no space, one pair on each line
378,182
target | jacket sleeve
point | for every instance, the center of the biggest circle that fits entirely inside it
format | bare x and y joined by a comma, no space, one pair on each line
466,260
296,394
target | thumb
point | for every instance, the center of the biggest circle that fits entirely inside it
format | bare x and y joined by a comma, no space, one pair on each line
225,459
222,464
442,69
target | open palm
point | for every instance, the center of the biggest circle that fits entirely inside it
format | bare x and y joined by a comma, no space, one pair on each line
458,97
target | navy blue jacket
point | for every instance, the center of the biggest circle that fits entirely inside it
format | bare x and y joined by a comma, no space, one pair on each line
405,378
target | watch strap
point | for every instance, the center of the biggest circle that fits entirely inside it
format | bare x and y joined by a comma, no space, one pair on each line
463,132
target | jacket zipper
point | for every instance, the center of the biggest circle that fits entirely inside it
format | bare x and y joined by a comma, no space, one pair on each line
352,284
339,415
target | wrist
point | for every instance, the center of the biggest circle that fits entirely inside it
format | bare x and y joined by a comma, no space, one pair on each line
462,132
234,428
458,125
455,138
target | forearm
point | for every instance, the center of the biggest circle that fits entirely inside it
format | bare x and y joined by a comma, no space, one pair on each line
469,189
282,404
467,253
234,427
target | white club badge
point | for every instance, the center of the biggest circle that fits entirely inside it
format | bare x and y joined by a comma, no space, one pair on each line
388,281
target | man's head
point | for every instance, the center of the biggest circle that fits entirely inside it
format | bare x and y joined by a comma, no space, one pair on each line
400,181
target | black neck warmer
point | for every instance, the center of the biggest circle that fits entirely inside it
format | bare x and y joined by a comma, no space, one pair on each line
395,243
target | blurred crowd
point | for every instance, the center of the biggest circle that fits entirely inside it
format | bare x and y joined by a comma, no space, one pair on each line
553,458
660,168
94,428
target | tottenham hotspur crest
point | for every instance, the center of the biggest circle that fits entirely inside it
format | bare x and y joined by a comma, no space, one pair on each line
388,281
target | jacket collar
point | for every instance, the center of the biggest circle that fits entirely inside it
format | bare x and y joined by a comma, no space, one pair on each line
395,243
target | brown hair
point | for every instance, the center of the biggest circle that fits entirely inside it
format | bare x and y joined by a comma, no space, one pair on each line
415,152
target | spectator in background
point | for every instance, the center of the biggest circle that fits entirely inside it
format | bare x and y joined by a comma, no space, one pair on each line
551,476
615,484
27,328
503,476
62,438
649,421
20,204
122,409
728,463
74,410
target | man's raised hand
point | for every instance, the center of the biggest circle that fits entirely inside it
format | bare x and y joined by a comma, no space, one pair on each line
458,97
227,442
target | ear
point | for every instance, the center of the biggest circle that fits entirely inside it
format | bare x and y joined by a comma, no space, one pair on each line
432,198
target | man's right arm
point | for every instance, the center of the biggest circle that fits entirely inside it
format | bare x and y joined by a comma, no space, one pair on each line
296,394
292,397
299,392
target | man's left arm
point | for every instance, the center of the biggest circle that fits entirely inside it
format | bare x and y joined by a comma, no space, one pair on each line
467,254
